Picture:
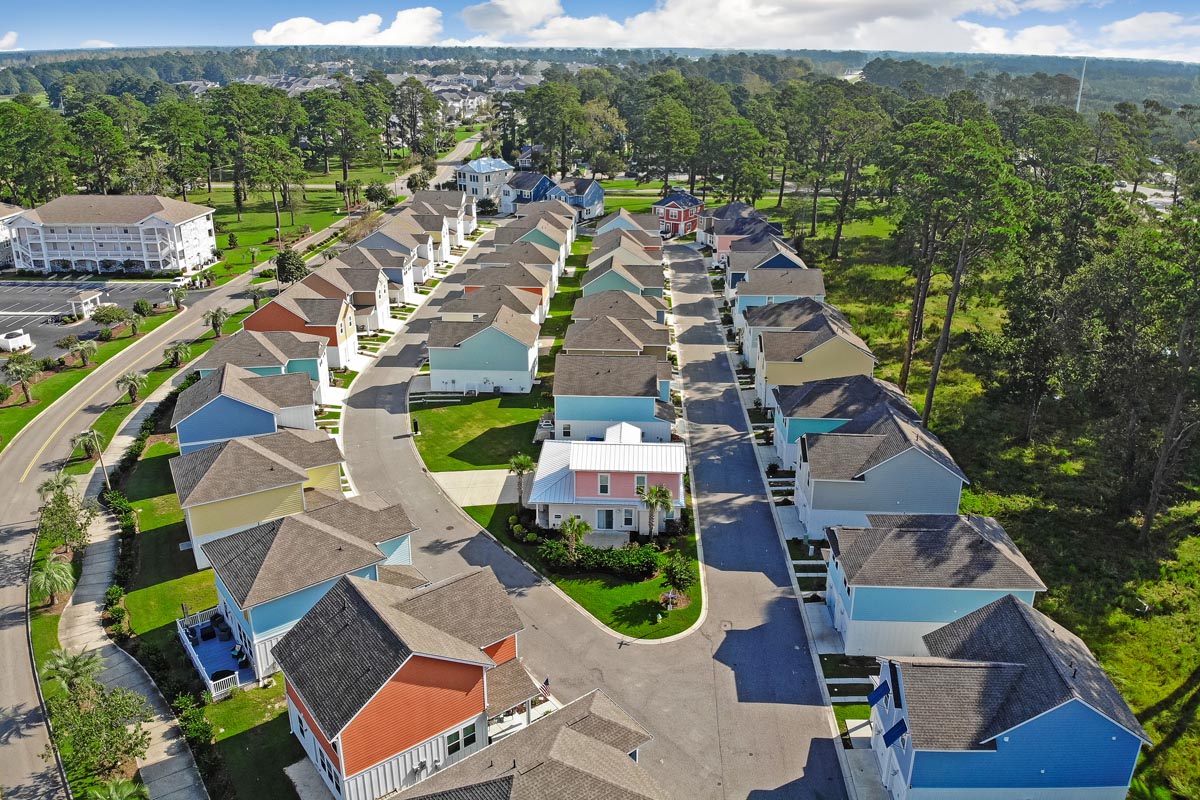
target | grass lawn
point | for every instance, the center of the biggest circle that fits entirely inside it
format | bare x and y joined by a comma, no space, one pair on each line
477,433
617,184
43,629
14,418
633,203
367,173
845,711
628,607
253,738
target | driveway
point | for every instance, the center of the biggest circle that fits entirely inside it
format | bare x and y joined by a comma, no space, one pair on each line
734,707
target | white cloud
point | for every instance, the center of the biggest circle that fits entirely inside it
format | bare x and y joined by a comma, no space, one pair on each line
1150,26
412,26
507,16
95,44
8,42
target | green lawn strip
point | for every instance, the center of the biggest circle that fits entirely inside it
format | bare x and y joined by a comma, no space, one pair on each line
478,432
629,607
633,203
253,738
845,711
799,552
43,630
843,666
14,418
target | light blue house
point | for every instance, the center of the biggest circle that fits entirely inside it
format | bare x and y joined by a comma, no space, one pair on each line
623,220
740,263
1007,704
269,576
495,353
230,403
583,194
593,393
272,353
763,287
618,273
825,405
902,577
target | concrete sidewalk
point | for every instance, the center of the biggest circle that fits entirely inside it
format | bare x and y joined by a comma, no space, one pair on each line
168,768
481,487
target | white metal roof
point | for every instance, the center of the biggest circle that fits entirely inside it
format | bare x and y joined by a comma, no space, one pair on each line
553,482
620,457
623,433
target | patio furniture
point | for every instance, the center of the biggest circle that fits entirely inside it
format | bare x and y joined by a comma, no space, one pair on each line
224,634
244,663
220,674
207,633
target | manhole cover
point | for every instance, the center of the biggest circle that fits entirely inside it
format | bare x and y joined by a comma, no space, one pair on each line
449,527
726,625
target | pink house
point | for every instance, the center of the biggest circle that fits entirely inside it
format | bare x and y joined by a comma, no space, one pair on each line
598,481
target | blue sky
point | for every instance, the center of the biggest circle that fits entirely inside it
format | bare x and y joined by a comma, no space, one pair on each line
1133,28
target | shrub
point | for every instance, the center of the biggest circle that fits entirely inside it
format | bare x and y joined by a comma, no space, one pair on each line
678,573
110,315
67,342
143,307
48,364
512,521
195,726
105,335
267,272
636,562
518,531
112,596
5,392
116,615
531,537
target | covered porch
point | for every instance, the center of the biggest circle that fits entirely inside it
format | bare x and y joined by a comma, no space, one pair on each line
515,699
222,661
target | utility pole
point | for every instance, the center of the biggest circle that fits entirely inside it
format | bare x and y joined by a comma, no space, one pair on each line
1079,97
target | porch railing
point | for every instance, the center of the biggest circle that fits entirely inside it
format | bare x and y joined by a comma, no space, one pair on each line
218,689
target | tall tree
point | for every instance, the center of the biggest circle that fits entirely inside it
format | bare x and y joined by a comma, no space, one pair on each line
178,128
666,141
556,121
101,150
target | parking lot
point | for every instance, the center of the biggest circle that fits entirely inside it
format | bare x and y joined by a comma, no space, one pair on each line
33,306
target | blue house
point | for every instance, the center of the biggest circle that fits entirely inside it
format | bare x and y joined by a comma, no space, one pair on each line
583,194
902,577
825,405
1008,704
593,393
523,187
269,576
230,402
739,263
495,353
766,286
272,353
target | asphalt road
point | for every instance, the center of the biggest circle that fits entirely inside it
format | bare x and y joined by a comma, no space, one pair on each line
734,706
27,460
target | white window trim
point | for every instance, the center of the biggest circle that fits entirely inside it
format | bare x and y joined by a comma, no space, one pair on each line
603,484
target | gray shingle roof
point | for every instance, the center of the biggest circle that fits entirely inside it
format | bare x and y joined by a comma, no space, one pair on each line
647,222
520,253
269,392
788,282
786,346
110,209
263,349
1057,664
643,276
491,298
839,398
623,250
746,260
732,210
617,304
310,305
607,333
618,237
517,275
580,752
353,640
605,376
933,551
514,324
870,439
949,704
526,181
803,314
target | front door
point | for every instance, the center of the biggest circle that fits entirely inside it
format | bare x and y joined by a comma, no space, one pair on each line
604,519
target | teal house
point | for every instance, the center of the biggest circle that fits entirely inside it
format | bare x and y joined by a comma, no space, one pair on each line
494,353
593,393
269,576
762,287
272,353
618,273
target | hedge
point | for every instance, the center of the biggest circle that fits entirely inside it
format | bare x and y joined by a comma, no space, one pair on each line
637,562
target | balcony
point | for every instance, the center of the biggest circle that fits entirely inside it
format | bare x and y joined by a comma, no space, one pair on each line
209,643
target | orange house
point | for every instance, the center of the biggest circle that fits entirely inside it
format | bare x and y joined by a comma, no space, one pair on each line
387,684
301,309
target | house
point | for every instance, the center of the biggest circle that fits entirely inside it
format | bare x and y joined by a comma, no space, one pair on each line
272,353
515,276
678,213
397,268
437,226
240,483
880,462
270,575
1007,703
534,230
365,288
824,405
527,254
587,749
730,211
470,306
583,194
598,481
495,353
388,685
593,393
619,305
529,154
902,577
763,287
523,187
458,208
483,178
616,244
7,214
622,273
114,233
606,336
739,263
301,309
552,212
802,313
635,240
633,222
403,234
823,346
724,233
231,402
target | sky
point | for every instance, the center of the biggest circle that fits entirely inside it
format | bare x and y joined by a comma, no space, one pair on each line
1160,29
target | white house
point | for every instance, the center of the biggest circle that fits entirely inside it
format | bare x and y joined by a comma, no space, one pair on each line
484,177
114,233
7,214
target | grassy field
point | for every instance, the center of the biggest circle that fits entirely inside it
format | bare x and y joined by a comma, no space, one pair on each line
367,173
633,203
629,607
479,432
1129,604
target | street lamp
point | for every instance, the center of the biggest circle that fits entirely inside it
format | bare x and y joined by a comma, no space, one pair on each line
91,432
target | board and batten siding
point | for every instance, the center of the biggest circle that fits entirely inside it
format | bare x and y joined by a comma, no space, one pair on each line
222,418
413,765
910,483
837,358
611,280
489,356
398,551
299,417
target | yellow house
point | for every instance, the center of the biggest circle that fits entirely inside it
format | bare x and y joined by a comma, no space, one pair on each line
240,483
790,358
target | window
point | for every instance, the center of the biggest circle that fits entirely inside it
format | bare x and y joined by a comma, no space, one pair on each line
459,739
627,520
603,483
639,482
303,727
468,735
604,519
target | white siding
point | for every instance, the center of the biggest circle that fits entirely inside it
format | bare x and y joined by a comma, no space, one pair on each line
402,771
1041,793
652,431
872,637
301,417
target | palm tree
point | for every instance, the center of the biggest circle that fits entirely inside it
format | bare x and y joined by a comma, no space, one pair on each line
656,498
86,441
177,294
21,369
216,318
178,353
521,465
256,294
119,789
574,529
84,350
58,482
135,323
52,576
72,668
132,382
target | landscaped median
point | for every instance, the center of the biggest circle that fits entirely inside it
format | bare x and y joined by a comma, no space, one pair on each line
633,608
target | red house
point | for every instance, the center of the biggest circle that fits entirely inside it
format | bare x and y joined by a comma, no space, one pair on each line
678,213
302,309
387,684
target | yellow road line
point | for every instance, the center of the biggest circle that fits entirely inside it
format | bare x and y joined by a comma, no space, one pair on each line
50,438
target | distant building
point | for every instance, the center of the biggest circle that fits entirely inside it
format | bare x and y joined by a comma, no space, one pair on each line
679,213
583,194
7,214
484,177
